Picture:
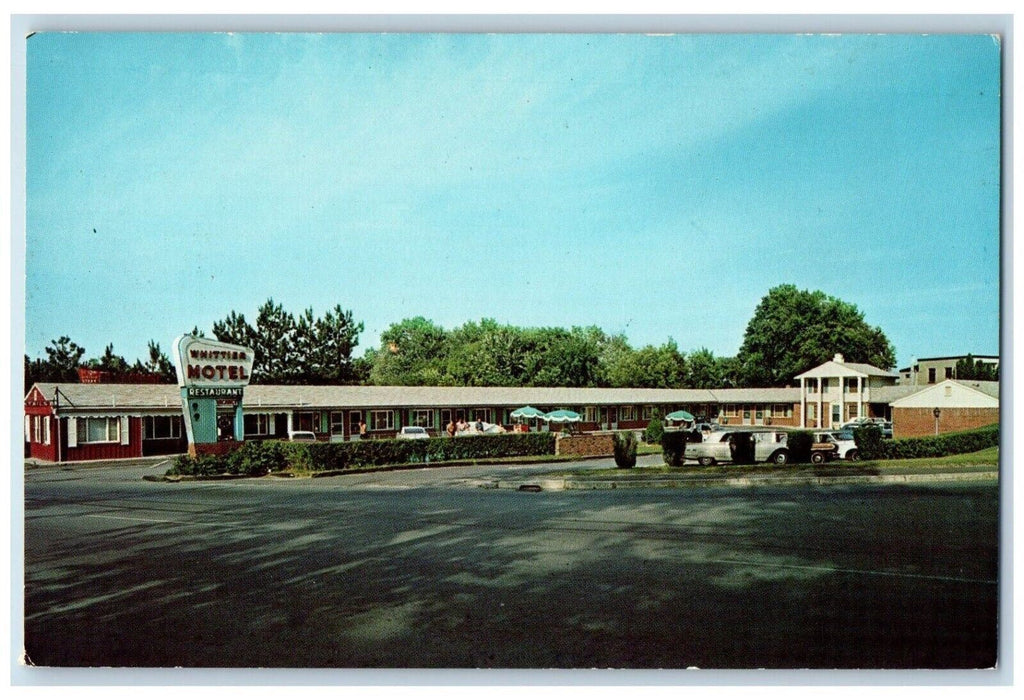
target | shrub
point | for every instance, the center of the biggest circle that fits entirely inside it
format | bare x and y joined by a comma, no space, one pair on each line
932,446
255,458
869,441
655,428
673,447
799,443
203,465
625,449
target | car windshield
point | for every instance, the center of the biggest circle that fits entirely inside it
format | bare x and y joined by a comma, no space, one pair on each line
844,435
415,430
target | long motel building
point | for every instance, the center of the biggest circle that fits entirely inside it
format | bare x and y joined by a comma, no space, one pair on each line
69,422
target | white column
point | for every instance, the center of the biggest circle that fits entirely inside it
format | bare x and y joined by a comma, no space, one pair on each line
860,397
803,402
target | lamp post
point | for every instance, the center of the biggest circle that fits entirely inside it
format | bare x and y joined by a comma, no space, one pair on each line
936,412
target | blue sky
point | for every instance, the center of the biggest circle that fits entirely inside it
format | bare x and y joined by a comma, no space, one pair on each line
657,186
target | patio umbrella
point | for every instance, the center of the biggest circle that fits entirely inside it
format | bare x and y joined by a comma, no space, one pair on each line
562,416
526,412
679,416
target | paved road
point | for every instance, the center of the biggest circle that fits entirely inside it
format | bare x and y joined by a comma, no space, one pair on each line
417,569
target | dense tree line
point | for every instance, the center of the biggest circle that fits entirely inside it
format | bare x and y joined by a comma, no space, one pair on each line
296,350
969,368
64,358
417,351
791,331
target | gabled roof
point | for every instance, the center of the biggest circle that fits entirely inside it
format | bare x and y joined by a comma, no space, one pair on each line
952,393
107,398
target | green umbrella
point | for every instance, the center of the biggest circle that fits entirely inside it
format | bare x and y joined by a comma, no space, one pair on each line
527,412
679,416
563,416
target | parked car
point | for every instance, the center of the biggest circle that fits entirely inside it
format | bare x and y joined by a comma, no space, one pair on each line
768,446
884,425
708,427
412,432
846,447
302,436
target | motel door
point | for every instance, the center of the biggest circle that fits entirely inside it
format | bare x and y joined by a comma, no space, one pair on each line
837,414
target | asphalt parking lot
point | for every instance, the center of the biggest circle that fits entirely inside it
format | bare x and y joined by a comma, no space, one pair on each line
422,570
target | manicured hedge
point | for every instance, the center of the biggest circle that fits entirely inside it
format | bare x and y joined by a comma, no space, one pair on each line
258,458
871,447
624,446
673,446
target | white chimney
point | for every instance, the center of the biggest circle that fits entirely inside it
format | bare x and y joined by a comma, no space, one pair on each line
838,357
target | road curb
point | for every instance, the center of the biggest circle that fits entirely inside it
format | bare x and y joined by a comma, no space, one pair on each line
577,484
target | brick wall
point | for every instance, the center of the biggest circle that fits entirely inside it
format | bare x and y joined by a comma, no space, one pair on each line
585,445
920,422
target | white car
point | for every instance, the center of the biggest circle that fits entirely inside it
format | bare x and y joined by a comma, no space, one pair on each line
844,442
769,446
302,436
412,432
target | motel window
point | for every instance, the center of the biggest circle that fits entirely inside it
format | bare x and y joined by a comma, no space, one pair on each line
627,413
382,420
780,410
483,414
164,427
590,414
824,386
850,385
746,412
446,417
812,411
306,421
354,419
258,424
337,422
98,430
647,413
931,375
812,386
423,418
730,409
758,412
40,430
949,373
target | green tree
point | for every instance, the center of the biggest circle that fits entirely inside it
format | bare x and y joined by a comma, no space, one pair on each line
63,357
703,370
411,353
794,330
337,336
969,368
159,363
233,329
649,367
274,346
109,362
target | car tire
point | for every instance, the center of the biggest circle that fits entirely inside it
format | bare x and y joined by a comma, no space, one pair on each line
706,461
817,458
780,457
853,455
